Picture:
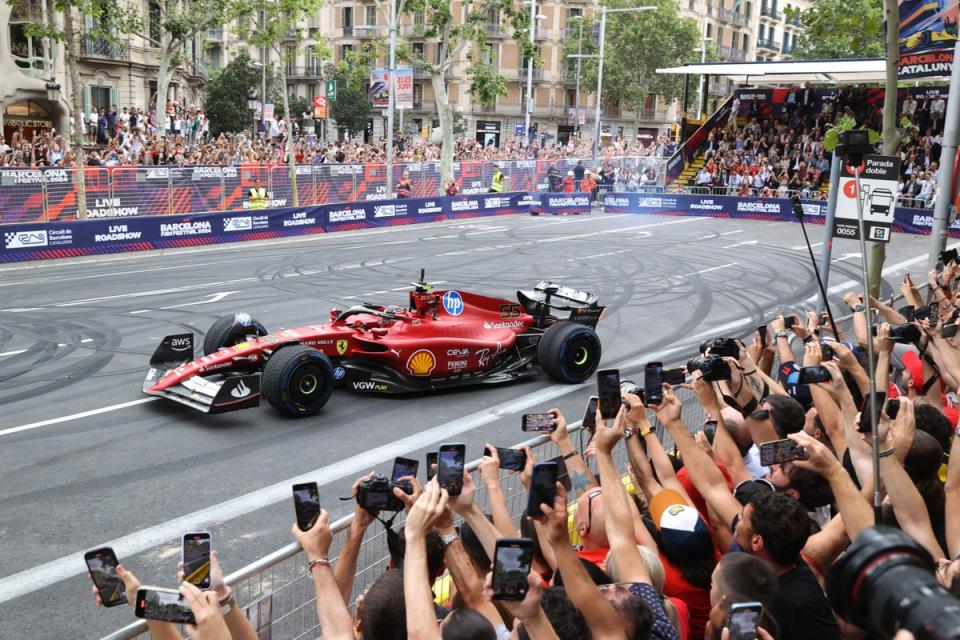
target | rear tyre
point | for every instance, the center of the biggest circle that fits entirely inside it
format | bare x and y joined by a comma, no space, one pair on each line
569,352
230,330
297,380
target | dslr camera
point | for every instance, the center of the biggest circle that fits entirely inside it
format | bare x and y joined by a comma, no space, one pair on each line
906,333
721,347
376,493
713,367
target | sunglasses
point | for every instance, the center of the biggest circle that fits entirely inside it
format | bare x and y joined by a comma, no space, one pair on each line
595,494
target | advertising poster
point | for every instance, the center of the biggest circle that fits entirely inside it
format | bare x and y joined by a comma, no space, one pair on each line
403,78
928,34
379,91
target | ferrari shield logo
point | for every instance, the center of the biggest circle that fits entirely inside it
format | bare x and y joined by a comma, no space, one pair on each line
341,346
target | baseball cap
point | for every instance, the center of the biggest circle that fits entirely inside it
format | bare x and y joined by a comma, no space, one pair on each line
683,532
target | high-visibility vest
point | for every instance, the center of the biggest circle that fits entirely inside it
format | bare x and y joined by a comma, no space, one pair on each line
497,184
258,198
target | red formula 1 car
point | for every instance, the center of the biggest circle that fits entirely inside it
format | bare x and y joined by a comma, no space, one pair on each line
444,339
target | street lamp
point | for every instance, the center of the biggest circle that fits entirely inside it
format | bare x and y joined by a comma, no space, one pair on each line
576,99
703,58
534,18
252,106
603,28
53,90
391,99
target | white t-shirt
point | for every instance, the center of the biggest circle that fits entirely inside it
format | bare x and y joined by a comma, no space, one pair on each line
752,463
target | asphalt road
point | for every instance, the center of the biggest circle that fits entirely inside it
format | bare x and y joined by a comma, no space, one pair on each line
86,460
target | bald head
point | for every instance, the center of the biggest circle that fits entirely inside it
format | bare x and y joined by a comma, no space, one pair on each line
590,520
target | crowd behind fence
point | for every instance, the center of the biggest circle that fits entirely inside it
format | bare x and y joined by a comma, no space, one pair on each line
50,195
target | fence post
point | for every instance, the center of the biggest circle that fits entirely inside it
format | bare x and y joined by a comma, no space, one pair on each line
313,179
223,190
169,191
110,192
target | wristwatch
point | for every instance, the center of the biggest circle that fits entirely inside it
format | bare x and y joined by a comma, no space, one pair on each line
448,538
858,308
783,334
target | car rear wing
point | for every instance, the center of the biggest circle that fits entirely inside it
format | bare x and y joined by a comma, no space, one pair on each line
545,296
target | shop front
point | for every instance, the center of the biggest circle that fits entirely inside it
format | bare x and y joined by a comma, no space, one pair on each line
30,118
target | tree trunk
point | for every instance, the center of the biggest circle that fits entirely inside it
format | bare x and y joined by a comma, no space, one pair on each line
76,100
288,146
163,85
891,135
445,115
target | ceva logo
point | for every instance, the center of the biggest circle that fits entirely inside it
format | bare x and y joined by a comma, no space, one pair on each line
453,303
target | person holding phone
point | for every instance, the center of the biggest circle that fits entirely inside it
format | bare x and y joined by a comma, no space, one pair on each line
131,585
581,478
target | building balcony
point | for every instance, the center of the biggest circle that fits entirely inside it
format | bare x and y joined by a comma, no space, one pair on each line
537,73
415,30
103,48
787,49
199,69
770,12
733,17
346,32
496,30
215,35
731,53
305,72
795,21
370,31
768,43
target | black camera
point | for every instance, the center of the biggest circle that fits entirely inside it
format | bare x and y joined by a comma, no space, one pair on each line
713,368
885,582
721,347
376,493
948,256
854,144
906,333
827,352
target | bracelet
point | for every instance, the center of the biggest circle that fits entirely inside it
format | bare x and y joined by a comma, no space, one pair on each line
319,562
227,597
749,373
644,433
888,452
567,456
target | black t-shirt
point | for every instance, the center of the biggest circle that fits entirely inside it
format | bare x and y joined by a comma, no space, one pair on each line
801,609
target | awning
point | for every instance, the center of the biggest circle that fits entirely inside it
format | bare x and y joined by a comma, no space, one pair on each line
868,70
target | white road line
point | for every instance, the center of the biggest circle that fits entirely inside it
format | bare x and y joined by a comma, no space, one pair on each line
75,416
730,233
477,233
707,237
18,351
801,247
722,266
216,297
740,244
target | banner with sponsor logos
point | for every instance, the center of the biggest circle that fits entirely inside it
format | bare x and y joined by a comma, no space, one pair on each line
928,33
70,238
916,221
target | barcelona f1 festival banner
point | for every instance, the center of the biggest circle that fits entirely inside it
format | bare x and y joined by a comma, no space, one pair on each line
67,239
916,221
928,34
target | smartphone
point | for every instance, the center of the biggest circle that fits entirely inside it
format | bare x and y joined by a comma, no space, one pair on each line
827,352
306,503
195,555
674,376
780,451
762,330
608,392
102,565
154,603
811,375
538,422
866,423
512,558
948,331
403,467
510,459
589,421
451,459
710,430
653,383
948,256
789,321
543,487
431,465
744,620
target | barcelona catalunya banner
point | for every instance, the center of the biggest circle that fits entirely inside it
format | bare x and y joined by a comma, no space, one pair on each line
916,221
39,241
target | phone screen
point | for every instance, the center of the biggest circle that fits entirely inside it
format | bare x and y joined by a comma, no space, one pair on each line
762,330
811,375
543,487
608,391
511,566
196,559
538,422
866,423
744,619
431,465
102,565
450,467
163,604
653,383
780,451
590,415
405,467
512,459
306,503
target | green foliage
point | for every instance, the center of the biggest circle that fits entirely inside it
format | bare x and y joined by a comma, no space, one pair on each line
112,19
840,29
298,106
351,109
831,137
637,44
226,99
485,83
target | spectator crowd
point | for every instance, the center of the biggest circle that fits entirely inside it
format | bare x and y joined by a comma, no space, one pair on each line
688,534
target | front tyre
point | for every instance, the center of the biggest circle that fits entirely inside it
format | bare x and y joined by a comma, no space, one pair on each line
569,352
228,331
297,380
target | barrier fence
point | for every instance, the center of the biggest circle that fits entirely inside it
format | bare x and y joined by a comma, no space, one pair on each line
50,195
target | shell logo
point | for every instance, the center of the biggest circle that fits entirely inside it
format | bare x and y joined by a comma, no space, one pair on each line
421,363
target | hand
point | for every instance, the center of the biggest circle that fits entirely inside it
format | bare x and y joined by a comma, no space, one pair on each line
606,438
490,466
883,343
755,350
554,519
559,434
933,279
776,325
908,289
812,355
527,474
206,610
636,413
408,498
670,408
529,607
216,574
361,517
130,586
590,451
819,458
903,429
836,386
798,329
705,392
463,502
813,321
316,540
426,511
852,299
700,437
762,634
845,358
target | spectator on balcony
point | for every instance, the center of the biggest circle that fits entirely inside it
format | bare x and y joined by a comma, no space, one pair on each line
102,128
112,121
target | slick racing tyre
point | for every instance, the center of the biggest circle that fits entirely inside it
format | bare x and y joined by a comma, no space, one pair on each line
569,352
230,330
297,380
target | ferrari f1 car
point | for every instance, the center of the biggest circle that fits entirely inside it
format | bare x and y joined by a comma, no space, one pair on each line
443,339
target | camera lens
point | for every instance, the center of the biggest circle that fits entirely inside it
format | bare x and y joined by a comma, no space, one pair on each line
885,583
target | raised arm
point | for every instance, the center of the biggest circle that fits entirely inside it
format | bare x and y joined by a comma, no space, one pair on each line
952,490
346,567
421,618
490,475
581,478
332,613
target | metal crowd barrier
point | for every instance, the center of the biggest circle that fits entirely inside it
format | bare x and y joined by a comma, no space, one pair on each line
50,195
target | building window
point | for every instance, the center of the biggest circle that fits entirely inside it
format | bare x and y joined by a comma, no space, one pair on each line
748,9
347,14
311,90
719,36
493,16
371,15
417,96
154,24
344,50
419,18
26,50
709,30
574,12
100,98
419,51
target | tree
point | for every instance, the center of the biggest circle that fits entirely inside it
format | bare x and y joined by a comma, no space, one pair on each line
181,21
281,28
840,29
351,109
637,44
225,102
